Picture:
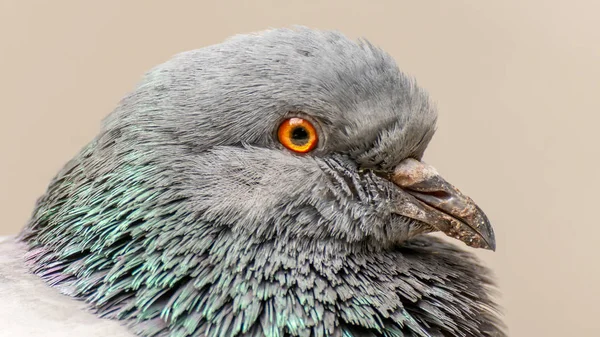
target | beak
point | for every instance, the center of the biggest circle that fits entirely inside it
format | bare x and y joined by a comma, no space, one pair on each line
441,205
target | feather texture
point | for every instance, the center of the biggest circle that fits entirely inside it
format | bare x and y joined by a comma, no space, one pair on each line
184,217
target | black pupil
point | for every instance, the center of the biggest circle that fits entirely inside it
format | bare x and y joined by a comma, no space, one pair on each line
299,135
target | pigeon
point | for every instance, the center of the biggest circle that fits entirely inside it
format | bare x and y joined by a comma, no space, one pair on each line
270,185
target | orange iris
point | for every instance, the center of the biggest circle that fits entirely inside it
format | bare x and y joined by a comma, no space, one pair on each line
298,135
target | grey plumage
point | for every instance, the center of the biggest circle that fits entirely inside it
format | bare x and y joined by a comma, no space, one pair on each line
186,217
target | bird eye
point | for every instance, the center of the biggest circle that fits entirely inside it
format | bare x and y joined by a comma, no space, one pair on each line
298,135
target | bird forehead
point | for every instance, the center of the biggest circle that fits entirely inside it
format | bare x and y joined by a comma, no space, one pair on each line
239,89
353,83
312,59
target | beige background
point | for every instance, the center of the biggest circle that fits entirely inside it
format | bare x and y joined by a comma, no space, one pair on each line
517,84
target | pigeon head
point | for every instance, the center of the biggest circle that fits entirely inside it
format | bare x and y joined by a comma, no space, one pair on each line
212,117
290,145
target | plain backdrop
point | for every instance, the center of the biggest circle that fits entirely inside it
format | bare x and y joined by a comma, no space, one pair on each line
517,84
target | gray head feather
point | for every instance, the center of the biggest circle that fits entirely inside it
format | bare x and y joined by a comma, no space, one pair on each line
186,216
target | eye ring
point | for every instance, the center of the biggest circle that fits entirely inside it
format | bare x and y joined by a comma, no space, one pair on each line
298,135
